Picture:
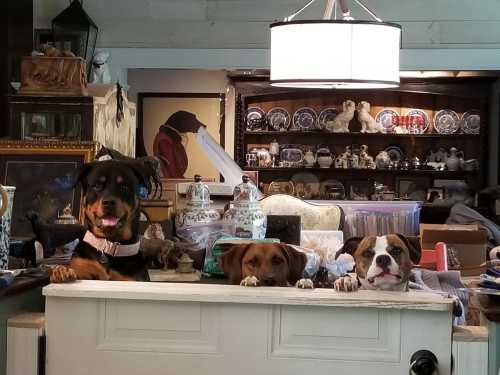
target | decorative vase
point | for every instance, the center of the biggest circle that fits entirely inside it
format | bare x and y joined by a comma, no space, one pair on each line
309,159
7,194
454,160
324,157
198,210
248,218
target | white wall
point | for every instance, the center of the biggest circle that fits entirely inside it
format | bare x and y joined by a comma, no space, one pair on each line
227,34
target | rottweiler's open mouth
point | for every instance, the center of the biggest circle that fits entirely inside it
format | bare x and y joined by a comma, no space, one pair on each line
110,222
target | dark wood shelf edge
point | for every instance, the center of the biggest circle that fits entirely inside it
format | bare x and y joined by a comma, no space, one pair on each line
367,135
391,171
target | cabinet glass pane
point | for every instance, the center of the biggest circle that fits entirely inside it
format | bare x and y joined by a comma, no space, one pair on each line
51,125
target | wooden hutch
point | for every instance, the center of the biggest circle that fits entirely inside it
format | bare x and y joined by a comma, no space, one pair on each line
459,92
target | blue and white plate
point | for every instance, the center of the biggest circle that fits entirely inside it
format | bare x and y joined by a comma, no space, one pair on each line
471,122
326,115
278,119
255,119
386,118
446,121
304,119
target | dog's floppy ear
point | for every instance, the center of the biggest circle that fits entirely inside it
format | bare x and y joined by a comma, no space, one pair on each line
296,262
344,106
413,245
349,246
81,175
143,173
230,262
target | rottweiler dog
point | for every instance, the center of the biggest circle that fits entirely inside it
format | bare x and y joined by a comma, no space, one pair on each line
110,249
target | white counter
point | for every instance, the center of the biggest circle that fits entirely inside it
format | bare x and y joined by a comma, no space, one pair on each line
150,328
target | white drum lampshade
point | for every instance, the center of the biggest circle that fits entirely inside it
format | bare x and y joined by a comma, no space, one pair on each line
335,54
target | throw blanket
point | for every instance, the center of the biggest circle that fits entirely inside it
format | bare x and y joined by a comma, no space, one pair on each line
446,283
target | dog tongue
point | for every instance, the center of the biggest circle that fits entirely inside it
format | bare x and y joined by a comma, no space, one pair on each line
109,221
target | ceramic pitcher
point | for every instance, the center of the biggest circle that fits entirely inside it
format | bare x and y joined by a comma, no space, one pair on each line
7,195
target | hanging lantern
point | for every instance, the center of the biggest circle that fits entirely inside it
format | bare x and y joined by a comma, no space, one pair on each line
74,30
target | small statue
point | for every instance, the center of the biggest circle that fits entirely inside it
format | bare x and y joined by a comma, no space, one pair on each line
100,68
368,123
341,123
382,160
348,159
365,160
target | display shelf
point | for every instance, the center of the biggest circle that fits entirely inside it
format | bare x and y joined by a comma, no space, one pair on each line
359,135
409,172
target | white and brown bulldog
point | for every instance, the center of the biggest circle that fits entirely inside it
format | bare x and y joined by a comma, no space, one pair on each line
382,263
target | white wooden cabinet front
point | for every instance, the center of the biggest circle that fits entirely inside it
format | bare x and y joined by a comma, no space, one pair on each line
150,328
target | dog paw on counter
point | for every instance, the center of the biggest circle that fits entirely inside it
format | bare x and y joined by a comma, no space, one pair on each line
250,281
62,274
304,284
346,284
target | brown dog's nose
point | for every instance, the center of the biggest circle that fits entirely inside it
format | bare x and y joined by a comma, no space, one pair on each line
383,261
268,280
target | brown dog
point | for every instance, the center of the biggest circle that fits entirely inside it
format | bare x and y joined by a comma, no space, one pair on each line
267,264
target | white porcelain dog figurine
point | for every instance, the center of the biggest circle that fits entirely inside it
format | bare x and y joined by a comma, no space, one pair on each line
368,123
100,69
341,123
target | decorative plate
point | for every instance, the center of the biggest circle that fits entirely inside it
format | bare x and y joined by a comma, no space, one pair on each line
418,121
255,119
446,121
278,119
281,187
304,119
386,117
332,189
471,122
395,153
327,114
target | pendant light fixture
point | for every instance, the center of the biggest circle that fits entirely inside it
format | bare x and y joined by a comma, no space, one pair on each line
331,53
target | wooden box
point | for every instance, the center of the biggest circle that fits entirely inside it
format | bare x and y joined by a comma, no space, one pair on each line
41,75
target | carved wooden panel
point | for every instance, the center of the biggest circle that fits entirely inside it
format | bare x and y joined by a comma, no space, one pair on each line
167,327
336,334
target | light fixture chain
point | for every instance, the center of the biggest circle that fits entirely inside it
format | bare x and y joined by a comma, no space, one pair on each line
293,15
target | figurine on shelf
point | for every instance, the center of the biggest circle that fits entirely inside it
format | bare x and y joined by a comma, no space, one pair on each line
309,159
437,160
382,160
365,160
348,159
368,123
274,150
341,122
455,160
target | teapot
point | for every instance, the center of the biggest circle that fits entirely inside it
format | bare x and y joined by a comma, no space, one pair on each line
324,157
309,159
454,161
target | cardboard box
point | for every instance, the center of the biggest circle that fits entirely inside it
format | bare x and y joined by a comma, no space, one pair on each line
468,241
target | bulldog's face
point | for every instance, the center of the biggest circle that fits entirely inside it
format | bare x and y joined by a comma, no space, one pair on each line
385,262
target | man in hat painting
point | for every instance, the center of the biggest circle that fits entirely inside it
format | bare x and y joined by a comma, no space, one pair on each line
168,143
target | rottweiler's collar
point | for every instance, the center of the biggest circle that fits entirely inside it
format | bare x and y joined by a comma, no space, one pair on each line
111,248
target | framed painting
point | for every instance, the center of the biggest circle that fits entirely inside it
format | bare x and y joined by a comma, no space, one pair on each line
167,128
44,176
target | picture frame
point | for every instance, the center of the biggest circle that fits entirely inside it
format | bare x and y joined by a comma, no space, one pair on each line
155,108
44,176
414,188
434,193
